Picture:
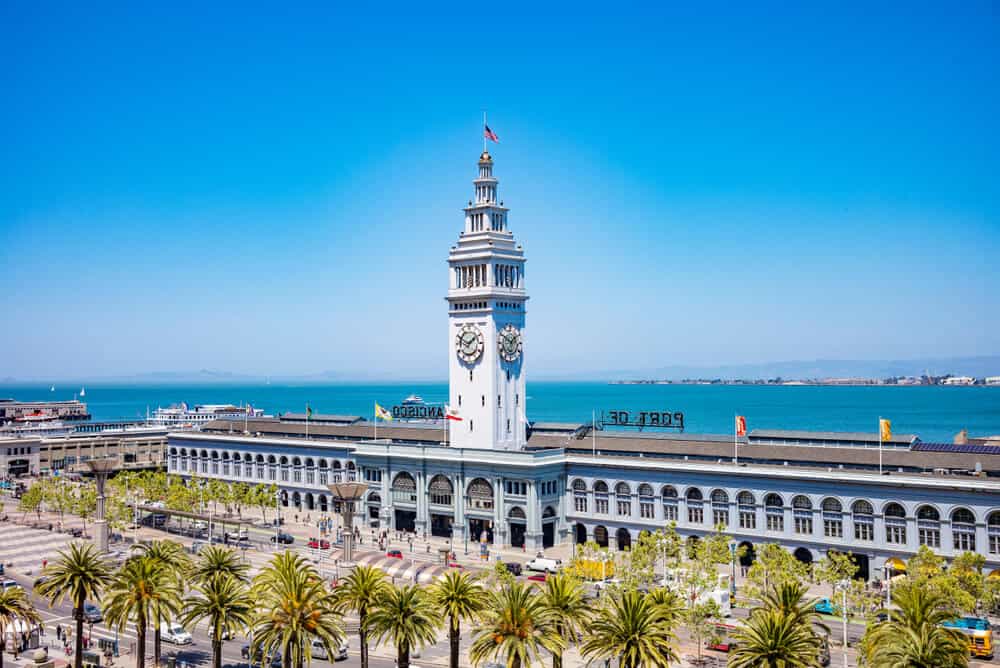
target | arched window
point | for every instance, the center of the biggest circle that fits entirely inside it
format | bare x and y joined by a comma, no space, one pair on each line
647,508
696,510
993,531
747,510
404,488
895,523
623,500
669,498
720,507
517,513
579,495
863,519
601,497
774,511
480,494
929,526
963,529
833,518
441,491
802,514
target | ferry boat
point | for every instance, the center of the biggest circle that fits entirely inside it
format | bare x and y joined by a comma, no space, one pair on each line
185,416
413,400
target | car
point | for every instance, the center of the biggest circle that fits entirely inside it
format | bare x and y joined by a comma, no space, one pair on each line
319,544
538,577
175,633
513,567
395,554
1,569
237,536
92,614
283,538
455,564
257,659
196,546
8,584
544,565
39,580
824,607
318,651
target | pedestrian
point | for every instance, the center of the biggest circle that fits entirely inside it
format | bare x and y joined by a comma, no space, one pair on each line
58,632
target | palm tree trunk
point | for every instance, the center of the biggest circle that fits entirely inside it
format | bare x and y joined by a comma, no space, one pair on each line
557,654
454,636
78,652
156,642
3,644
403,656
216,653
140,642
364,645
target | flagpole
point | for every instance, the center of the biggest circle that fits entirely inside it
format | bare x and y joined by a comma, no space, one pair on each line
593,433
736,441
375,423
880,445
484,131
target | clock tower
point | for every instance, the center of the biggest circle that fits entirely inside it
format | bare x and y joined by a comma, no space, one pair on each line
486,300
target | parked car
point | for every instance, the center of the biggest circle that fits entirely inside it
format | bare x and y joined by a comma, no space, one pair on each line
824,607
283,538
237,536
174,633
455,564
258,659
538,577
1,569
319,651
395,554
513,567
544,565
92,614
8,584
319,544
196,546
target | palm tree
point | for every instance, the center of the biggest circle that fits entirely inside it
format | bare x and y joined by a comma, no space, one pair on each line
15,607
774,638
670,604
563,597
79,573
216,560
169,556
360,591
913,635
142,590
225,603
633,629
516,626
790,598
405,615
458,596
294,608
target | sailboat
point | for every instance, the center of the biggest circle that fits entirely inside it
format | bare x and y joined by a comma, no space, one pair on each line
83,391
52,389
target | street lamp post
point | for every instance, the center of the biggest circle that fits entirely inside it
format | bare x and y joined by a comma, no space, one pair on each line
101,468
346,494
843,585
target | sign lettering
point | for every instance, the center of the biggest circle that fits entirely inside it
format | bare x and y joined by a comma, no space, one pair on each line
642,419
417,412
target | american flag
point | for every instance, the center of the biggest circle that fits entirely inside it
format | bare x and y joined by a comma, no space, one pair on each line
489,134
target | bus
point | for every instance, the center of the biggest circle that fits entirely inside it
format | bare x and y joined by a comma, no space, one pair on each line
979,632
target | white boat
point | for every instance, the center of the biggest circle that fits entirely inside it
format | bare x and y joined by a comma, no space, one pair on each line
184,416
413,400
83,391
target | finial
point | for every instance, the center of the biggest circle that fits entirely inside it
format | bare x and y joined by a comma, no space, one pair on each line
485,157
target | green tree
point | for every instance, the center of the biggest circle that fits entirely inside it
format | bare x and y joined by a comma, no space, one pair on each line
459,597
360,591
224,603
31,501
771,638
563,597
294,609
406,616
913,635
516,626
265,497
85,503
15,608
634,630
214,561
79,573
772,566
141,591
966,570
962,583
169,557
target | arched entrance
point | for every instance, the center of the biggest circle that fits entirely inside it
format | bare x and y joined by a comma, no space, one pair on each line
864,567
518,525
601,536
310,503
479,498
747,555
374,506
297,500
548,527
284,498
323,507
581,533
442,505
404,492
624,539
803,555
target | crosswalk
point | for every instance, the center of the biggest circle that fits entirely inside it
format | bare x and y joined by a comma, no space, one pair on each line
24,548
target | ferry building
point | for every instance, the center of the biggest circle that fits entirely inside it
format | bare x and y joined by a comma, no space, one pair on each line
493,475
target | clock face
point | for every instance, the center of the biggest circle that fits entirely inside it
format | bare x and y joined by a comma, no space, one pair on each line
509,343
469,343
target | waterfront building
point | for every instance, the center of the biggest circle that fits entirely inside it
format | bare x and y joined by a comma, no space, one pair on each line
491,476
14,410
133,448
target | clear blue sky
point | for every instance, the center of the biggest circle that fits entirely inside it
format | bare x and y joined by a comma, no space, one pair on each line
274,191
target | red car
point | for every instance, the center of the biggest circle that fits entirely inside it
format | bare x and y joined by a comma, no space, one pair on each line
395,554
316,543
455,564
537,577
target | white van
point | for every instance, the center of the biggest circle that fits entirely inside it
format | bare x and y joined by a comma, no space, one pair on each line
319,651
721,598
544,565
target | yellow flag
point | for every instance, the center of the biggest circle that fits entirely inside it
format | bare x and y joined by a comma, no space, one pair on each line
885,429
382,414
